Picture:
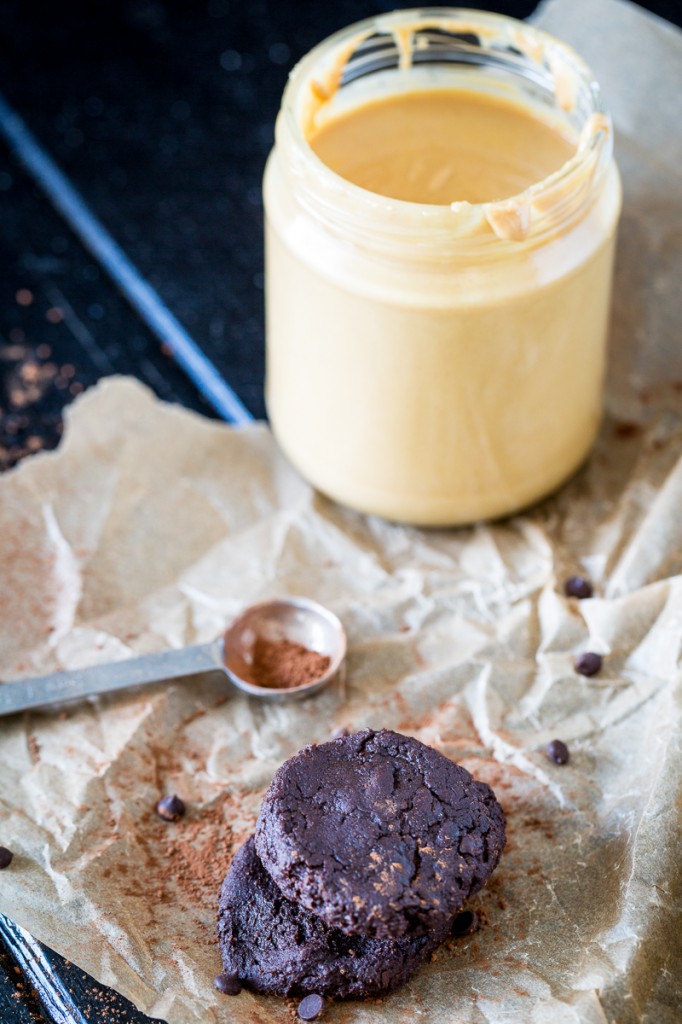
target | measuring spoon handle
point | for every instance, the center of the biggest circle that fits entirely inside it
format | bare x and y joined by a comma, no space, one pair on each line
117,675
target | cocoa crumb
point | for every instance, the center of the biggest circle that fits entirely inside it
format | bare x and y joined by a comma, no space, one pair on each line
33,748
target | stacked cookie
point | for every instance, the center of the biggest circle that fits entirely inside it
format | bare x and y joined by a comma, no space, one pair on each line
366,848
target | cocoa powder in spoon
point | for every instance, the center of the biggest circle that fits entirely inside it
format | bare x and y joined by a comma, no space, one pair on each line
284,664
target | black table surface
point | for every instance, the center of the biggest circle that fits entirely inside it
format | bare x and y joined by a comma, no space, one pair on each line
161,116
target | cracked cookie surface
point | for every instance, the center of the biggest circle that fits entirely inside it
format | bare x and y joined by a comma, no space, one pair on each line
275,946
378,834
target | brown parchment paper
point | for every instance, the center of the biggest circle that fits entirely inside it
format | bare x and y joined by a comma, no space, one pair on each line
150,527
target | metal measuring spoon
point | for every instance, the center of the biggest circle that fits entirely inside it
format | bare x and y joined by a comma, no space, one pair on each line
294,618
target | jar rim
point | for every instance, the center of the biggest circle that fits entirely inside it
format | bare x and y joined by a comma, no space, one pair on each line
552,200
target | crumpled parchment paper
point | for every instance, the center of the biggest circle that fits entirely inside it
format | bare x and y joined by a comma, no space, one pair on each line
150,528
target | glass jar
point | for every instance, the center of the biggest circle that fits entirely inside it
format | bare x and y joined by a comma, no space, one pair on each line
438,364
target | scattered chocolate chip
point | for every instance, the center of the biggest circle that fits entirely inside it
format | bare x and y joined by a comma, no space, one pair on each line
557,751
6,857
628,429
311,1007
228,984
170,808
465,923
578,586
589,664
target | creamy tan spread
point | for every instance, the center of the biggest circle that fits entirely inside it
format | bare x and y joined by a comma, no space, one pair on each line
441,146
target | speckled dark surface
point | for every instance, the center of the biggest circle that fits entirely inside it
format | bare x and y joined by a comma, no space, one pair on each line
162,115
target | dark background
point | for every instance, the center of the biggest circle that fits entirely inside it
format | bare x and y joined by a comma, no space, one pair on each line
161,114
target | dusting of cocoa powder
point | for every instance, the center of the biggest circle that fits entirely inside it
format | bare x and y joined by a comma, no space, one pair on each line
283,664
196,853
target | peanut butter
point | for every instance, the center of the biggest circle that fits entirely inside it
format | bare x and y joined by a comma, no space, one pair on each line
439,260
441,146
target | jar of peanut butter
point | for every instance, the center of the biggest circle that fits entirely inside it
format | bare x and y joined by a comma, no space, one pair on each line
441,211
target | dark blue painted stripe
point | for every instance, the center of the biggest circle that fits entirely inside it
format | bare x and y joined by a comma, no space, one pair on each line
144,299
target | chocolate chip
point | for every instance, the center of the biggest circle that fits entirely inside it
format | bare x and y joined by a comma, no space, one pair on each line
578,586
170,808
589,664
465,923
557,751
228,984
5,857
311,1007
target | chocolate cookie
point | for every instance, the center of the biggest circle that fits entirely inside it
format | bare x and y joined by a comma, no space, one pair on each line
275,946
378,834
